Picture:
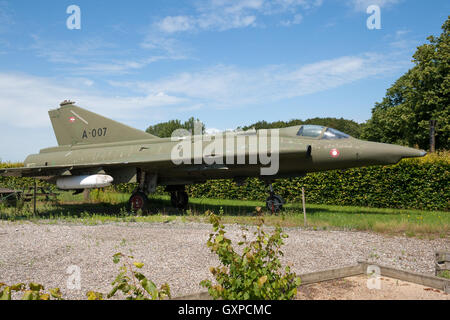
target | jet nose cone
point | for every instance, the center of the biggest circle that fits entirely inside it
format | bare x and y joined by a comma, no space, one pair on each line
398,152
383,153
412,153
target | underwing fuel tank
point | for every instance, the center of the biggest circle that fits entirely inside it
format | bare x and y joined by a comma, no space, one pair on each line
84,182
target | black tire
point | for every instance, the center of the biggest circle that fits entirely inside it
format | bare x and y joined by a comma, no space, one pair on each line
179,199
274,203
173,198
138,201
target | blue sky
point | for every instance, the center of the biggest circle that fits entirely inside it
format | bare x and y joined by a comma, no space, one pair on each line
228,63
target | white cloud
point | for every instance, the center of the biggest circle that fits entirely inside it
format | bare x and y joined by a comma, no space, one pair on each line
402,40
25,100
228,86
115,66
71,52
6,16
95,56
203,22
224,15
175,24
164,46
297,19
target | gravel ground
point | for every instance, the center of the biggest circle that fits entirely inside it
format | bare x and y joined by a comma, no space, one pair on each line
176,252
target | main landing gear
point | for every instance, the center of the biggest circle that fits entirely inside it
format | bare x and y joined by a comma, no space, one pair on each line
139,201
274,203
178,197
146,184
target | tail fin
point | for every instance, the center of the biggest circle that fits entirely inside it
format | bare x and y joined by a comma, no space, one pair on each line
74,125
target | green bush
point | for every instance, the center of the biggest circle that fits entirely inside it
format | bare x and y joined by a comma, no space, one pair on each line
411,184
20,183
254,274
133,284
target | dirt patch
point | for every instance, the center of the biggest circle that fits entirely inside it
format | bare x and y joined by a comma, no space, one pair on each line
356,288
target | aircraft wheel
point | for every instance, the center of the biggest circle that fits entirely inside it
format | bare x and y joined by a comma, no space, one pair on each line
138,201
179,199
274,203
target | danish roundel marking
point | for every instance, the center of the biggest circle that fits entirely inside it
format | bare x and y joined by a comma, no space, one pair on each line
334,153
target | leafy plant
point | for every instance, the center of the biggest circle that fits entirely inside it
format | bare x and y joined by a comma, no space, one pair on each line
33,291
92,295
133,284
255,273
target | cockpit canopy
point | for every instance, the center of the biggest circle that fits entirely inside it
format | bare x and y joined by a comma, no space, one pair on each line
314,131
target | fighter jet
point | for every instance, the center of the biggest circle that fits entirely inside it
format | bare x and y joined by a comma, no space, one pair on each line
96,152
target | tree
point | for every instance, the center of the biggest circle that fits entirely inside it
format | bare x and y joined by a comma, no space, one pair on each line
420,95
165,129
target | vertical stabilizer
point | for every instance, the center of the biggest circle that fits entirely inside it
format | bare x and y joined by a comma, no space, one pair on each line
74,125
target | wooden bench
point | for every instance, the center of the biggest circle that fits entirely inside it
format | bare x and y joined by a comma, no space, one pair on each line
9,196
29,194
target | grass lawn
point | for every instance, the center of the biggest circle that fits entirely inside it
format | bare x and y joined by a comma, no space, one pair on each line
110,207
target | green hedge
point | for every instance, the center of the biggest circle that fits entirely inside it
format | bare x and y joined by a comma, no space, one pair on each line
411,184
19,183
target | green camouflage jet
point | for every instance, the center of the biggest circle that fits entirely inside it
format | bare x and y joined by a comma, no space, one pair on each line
96,152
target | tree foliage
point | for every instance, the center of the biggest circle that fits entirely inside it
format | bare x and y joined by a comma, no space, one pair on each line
166,129
420,95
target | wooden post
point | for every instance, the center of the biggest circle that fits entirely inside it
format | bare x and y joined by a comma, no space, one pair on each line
34,197
87,194
432,136
304,205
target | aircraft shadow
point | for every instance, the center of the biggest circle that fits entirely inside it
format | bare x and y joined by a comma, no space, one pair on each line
164,207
